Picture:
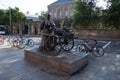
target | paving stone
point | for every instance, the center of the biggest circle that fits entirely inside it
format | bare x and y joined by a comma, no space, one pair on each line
14,67
7,75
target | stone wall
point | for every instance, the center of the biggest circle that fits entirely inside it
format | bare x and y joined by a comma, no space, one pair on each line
98,33
61,11
19,27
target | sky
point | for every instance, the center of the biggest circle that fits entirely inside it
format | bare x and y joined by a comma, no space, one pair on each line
33,6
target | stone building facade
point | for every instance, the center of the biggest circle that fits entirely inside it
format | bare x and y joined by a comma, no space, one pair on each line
30,26
61,9
19,27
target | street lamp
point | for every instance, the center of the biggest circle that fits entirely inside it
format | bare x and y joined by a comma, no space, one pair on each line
9,17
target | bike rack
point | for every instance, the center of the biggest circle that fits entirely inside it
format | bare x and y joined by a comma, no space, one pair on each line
107,44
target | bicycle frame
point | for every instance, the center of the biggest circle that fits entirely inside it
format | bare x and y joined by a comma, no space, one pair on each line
90,47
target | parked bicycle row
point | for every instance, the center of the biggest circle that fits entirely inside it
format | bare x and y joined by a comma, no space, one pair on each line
84,46
16,41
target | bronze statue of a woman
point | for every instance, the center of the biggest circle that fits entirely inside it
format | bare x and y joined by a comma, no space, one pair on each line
46,28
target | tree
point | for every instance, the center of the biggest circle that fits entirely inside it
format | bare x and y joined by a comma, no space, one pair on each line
3,17
113,14
85,13
16,15
43,15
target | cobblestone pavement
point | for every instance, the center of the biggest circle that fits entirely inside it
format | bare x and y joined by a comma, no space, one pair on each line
14,67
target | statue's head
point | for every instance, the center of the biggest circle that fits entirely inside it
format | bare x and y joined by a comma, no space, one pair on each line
48,16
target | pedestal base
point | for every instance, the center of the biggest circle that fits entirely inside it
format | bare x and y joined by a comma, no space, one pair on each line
65,63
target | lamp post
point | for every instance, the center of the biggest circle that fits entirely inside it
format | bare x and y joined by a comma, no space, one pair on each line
9,17
10,20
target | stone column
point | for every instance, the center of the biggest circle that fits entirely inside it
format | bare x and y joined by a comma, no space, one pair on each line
38,27
33,28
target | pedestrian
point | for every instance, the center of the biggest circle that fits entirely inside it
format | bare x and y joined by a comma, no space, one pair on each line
26,29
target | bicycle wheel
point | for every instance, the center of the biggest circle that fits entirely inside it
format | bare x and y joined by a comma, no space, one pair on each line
82,48
24,41
58,46
1,41
21,45
98,51
30,42
9,41
15,43
2,38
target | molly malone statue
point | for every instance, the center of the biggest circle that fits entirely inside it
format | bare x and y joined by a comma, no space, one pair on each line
46,28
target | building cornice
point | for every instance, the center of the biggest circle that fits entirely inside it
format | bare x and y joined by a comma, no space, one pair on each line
56,4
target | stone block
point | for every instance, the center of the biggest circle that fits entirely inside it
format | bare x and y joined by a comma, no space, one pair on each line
65,63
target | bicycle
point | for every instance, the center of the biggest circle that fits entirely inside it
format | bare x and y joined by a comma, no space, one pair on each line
93,48
16,41
26,42
1,40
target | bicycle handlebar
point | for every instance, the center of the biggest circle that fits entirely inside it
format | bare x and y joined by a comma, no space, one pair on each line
86,41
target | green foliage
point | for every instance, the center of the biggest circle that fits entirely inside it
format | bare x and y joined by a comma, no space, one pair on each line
113,14
88,16
85,14
43,15
3,16
16,15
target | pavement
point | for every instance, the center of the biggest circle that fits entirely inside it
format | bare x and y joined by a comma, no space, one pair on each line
14,67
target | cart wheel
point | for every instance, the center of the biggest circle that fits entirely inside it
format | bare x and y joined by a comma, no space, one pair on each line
67,44
52,46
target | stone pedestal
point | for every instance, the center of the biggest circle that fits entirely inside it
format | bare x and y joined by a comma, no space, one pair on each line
65,63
